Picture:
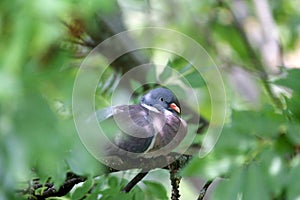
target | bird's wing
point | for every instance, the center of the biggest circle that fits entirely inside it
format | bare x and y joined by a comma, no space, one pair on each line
134,128
104,113
171,130
128,127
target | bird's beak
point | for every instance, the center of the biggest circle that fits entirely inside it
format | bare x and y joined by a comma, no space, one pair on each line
174,107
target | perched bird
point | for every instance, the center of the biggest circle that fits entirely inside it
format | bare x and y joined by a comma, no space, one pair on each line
148,129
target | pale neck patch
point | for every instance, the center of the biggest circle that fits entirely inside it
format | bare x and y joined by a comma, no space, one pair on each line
165,111
150,108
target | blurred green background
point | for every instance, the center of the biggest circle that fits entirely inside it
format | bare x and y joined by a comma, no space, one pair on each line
255,44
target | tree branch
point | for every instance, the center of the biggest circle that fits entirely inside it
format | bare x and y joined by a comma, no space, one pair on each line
50,191
146,164
204,190
134,181
175,181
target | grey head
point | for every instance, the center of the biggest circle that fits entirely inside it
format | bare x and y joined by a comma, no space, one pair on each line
161,99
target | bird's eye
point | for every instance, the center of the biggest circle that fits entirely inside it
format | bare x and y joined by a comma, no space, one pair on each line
161,99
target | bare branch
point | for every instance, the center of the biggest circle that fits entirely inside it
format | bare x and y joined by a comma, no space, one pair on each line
134,181
72,179
204,190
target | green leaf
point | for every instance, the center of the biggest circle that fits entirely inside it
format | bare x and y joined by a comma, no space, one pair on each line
195,79
291,81
209,167
151,75
166,74
156,190
232,187
138,193
293,191
293,105
82,190
293,132
113,181
135,85
283,145
115,194
273,171
254,186
92,196
228,36
245,183
264,123
81,162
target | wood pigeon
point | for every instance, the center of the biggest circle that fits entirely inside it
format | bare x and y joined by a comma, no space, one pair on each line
149,129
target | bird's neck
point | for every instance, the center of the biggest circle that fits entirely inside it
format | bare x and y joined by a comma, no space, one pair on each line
154,109
150,108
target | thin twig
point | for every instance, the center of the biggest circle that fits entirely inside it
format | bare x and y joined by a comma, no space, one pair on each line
204,190
134,181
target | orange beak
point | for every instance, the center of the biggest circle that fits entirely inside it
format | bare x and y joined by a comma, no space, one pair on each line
174,107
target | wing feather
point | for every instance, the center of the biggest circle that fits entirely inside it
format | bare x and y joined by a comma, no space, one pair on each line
136,129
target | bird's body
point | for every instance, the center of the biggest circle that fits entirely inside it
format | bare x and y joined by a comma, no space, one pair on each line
151,128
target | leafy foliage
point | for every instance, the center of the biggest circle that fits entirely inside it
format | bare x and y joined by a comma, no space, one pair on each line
257,153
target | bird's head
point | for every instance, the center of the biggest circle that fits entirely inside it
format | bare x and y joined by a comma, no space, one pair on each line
161,99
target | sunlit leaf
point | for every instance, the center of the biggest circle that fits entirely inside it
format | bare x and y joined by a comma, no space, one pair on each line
81,191
155,189
255,186
293,177
195,79
231,188
166,74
